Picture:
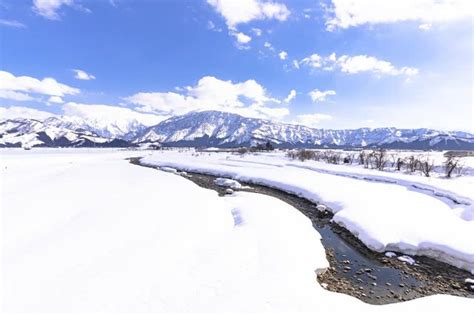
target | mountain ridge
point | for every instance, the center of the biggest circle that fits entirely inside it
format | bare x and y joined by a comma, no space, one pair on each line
219,129
214,128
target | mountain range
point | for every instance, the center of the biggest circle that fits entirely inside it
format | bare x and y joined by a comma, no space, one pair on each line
217,129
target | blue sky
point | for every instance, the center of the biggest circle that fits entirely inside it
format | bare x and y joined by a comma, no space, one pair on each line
350,64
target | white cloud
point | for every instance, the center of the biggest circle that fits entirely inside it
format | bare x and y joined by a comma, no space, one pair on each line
49,8
20,88
363,63
269,46
244,11
257,31
290,96
350,13
355,64
13,112
296,64
55,100
211,26
247,98
313,61
242,38
311,120
283,54
106,114
12,23
425,26
82,75
320,96
16,96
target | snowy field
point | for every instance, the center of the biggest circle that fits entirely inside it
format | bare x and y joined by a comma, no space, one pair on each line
385,210
85,231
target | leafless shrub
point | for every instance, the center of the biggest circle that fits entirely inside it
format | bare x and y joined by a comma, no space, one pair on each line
292,154
301,155
425,165
348,159
362,157
411,164
242,150
399,163
378,159
331,157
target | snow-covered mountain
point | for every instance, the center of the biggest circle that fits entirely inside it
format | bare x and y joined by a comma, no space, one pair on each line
213,128
121,129
23,132
217,129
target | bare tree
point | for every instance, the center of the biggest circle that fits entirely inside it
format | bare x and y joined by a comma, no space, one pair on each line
348,159
379,159
411,164
302,155
362,158
452,163
242,150
426,166
292,154
334,157
399,163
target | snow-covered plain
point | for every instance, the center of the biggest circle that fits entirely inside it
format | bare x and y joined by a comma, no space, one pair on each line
385,210
86,231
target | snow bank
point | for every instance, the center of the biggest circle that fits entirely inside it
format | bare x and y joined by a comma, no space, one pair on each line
385,215
97,234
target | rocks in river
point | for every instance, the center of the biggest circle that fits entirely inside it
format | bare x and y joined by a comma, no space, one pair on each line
229,191
405,258
455,285
168,169
346,261
372,277
226,182
347,268
321,208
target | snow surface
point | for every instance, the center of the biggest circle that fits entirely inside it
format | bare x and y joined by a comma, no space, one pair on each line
85,231
386,211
